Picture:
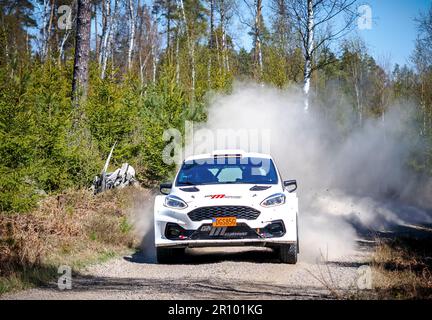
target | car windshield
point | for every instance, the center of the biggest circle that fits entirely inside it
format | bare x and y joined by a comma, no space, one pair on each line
223,170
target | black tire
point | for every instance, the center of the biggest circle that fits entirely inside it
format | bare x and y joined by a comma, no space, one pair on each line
169,255
288,253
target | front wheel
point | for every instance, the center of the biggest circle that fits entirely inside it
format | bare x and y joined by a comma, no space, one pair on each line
288,253
169,255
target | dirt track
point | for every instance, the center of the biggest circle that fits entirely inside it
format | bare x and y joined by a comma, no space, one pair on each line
239,273
223,273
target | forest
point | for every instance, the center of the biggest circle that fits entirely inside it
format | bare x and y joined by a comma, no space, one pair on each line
77,76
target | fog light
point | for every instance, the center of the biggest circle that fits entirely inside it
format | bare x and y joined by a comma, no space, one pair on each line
275,229
175,232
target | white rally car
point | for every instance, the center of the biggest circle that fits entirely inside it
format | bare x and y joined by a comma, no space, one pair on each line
227,198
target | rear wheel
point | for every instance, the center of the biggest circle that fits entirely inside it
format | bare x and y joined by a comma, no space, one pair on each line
169,255
288,253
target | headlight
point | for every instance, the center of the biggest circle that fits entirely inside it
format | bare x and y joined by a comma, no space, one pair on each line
274,200
174,202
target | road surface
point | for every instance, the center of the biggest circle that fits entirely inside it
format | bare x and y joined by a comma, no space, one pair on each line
216,273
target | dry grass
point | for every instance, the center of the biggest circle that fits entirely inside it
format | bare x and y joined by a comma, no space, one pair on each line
75,228
402,269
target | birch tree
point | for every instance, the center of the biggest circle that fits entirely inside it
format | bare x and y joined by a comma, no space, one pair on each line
168,11
225,8
354,62
257,34
422,58
190,46
147,44
211,40
283,37
108,14
256,24
314,21
46,27
132,25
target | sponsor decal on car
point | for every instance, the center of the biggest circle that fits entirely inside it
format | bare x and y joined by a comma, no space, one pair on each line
221,196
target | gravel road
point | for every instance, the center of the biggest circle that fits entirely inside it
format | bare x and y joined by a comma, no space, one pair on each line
217,273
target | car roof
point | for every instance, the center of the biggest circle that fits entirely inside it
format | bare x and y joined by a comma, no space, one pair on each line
228,153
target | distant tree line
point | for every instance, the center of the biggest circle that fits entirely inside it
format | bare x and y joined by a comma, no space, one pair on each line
138,67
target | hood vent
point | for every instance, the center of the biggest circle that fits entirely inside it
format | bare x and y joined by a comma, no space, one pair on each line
190,189
259,188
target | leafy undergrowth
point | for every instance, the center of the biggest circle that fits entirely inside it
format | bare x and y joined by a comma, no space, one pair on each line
402,269
75,229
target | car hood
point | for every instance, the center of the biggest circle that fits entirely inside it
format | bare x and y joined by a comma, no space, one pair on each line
225,194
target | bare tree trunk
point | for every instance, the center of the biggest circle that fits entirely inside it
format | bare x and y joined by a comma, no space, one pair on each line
106,11
308,54
104,30
139,44
44,28
142,65
131,33
211,44
4,35
258,61
424,107
218,51
82,53
311,16
191,50
65,37
27,45
107,39
177,58
223,36
47,26
154,62
96,30
62,44
168,17
47,49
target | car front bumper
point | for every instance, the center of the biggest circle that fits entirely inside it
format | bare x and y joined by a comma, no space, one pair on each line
256,232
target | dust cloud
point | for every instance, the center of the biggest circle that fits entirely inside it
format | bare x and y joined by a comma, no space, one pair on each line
141,217
350,181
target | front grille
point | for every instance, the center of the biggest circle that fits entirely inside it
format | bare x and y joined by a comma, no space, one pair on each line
239,212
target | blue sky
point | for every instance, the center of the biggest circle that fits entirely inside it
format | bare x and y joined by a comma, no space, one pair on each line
394,30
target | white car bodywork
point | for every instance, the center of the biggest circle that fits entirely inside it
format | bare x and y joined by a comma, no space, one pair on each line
227,196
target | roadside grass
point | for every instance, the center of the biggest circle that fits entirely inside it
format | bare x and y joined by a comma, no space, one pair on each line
75,229
323,273
402,268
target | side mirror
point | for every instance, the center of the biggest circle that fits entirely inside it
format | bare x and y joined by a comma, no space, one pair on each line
290,185
165,188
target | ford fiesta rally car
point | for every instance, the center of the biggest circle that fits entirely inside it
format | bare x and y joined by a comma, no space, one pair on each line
227,198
